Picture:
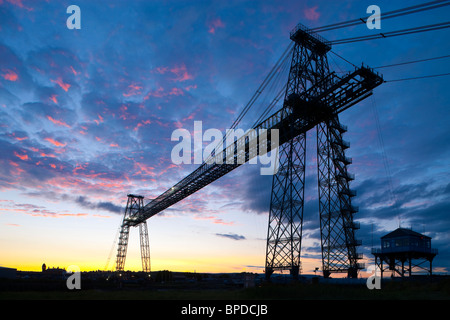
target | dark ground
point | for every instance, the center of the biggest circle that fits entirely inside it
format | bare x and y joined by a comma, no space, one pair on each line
435,289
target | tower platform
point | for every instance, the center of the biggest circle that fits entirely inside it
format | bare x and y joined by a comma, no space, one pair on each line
403,246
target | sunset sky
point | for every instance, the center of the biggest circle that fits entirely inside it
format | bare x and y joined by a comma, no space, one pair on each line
86,117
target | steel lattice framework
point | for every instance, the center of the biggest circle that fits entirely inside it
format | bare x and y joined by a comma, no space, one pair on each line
134,207
314,97
309,78
309,68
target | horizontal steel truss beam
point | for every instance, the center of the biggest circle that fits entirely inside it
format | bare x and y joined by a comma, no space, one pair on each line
295,117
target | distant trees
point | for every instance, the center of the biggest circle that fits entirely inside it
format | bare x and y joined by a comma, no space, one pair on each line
163,276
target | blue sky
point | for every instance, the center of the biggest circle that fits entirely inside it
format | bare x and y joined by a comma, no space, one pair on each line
86,117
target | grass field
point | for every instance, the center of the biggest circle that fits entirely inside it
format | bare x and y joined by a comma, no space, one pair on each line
439,290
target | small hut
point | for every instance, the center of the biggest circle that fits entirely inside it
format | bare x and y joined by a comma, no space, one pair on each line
403,250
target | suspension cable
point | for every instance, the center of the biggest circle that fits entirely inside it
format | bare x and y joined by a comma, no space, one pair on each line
387,15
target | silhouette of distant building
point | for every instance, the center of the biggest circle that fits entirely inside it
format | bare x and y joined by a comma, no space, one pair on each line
403,250
8,273
53,273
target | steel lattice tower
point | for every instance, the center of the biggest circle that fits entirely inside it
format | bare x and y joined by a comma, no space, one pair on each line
309,77
135,205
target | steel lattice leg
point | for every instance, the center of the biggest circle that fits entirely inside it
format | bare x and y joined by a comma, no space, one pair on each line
284,236
122,247
145,247
286,209
134,206
335,208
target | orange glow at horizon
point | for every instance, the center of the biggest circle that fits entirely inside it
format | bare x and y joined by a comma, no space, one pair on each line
201,263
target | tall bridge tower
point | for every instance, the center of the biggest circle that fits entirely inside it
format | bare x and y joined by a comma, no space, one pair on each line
309,78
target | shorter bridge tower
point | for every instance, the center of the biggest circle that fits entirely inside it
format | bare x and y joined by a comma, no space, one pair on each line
135,205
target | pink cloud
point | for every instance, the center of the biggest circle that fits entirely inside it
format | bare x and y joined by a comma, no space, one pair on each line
176,92
101,216
64,86
58,122
74,71
181,73
23,157
10,75
311,13
19,138
47,155
143,169
213,219
53,98
215,24
189,88
19,4
133,90
160,92
55,143
100,119
141,124
162,70
15,169
39,211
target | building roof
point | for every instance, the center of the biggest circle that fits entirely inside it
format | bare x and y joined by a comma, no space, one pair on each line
402,232
5,268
